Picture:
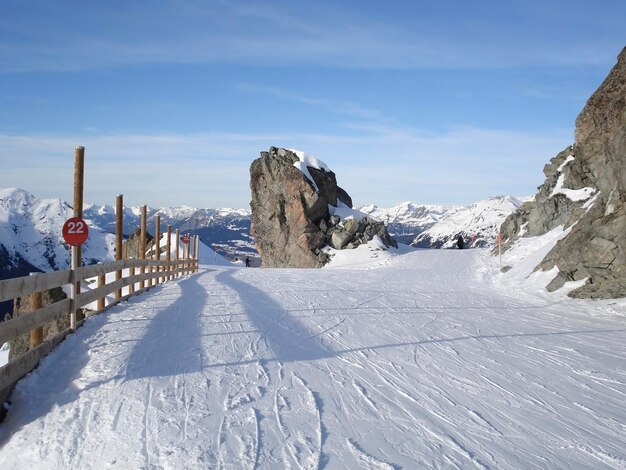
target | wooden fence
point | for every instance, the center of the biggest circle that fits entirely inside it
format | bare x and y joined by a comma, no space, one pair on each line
131,276
128,277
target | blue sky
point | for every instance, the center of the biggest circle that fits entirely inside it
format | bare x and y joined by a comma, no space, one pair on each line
444,102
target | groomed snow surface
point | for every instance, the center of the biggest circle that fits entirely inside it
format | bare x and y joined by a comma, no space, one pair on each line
428,359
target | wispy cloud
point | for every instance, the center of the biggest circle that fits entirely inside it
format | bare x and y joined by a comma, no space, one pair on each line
381,165
77,36
347,108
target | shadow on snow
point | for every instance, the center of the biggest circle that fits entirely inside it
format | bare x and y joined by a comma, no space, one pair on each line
171,344
286,337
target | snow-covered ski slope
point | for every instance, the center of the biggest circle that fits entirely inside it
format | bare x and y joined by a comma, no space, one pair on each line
425,360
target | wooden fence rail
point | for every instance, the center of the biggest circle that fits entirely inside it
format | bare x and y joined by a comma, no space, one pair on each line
130,277
154,271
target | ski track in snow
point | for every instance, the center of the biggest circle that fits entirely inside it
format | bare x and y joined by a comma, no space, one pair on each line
423,361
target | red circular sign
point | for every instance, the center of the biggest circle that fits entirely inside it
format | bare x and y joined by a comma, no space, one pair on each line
185,238
75,231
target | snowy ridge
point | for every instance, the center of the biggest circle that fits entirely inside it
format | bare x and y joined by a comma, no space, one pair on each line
478,223
307,161
369,256
225,230
345,213
31,230
408,214
183,217
407,220
433,226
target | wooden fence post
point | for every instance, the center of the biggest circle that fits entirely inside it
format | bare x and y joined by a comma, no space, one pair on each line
131,274
186,255
157,245
119,234
101,282
142,244
74,288
197,253
36,335
168,253
192,249
192,253
177,250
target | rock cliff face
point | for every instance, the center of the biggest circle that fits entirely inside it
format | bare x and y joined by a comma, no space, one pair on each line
295,211
585,192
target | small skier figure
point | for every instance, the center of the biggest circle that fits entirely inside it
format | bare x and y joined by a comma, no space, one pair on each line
247,261
459,242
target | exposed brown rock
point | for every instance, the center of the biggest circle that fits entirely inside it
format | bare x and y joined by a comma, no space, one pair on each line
291,221
595,248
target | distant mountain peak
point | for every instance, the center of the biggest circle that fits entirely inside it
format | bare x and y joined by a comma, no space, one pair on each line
437,226
478,223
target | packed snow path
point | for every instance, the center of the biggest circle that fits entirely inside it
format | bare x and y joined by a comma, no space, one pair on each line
420,362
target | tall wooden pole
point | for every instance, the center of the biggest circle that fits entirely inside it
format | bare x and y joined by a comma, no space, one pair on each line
142,244
119,234
76,252
79,178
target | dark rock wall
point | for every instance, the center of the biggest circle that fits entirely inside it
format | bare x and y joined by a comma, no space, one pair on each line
595,248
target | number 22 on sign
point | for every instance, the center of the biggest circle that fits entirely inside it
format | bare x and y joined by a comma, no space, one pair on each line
75,231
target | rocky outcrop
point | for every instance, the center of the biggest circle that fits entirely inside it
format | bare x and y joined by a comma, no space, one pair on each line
353,232
550,208
295,205
585,192
131,248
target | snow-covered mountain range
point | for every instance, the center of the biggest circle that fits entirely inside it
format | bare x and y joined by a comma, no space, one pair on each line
30,228
31,238
227,231
428,226
406,220
31,231
478,223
